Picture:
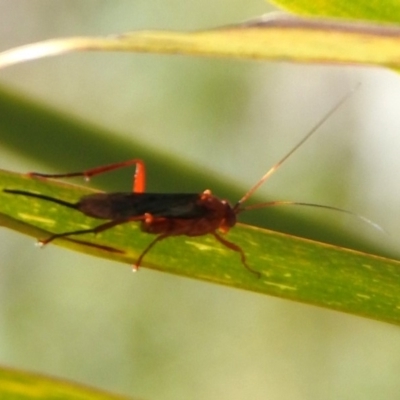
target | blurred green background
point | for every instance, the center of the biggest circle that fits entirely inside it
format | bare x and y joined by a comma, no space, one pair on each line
157,336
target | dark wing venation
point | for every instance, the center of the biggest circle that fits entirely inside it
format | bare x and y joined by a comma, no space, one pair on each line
125,205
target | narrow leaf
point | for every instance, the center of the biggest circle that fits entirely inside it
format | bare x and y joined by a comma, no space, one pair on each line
272,38
290,267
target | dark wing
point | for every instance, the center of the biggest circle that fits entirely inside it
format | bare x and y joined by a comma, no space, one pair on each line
125,205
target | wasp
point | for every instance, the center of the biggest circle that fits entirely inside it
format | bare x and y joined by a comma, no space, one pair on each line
168,214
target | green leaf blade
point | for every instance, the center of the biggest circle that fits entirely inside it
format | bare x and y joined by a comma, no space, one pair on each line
290,267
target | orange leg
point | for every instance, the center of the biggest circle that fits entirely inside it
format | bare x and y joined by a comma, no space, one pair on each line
235,247
139,179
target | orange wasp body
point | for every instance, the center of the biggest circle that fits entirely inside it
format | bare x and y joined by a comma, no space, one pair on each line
164,214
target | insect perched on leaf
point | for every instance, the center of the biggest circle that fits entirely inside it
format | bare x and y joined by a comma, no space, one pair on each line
167,214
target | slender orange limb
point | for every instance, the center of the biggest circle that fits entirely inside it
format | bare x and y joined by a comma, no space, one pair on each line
139,179
235,247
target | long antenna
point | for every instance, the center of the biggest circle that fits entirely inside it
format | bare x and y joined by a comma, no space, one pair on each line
298,203
299,144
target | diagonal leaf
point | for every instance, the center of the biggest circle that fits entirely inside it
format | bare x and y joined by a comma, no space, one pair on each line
272,38
290,267
19,385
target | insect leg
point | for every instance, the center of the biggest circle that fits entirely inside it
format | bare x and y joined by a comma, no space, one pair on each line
98,246
96,229
148,248
235,247
139,180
